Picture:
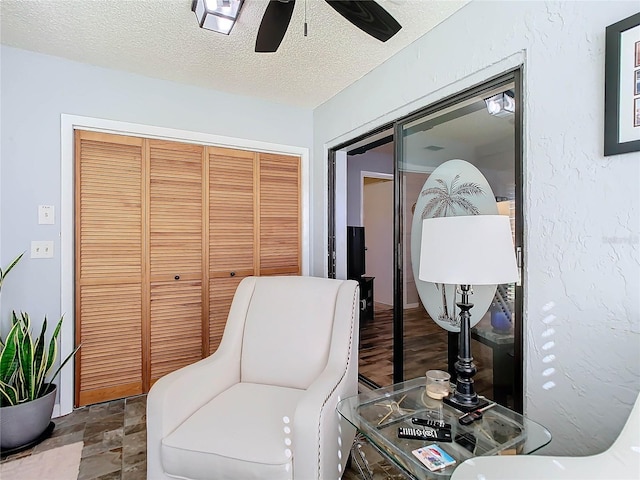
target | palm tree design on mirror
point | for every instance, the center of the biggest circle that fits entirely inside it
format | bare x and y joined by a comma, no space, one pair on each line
448,200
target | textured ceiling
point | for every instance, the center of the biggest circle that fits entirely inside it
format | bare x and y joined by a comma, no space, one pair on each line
161,38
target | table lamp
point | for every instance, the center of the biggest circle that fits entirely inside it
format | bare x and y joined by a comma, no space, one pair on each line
467,251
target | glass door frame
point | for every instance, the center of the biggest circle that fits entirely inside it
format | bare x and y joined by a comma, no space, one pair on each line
513,76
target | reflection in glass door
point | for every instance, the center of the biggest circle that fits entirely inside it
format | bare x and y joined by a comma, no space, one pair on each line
459,160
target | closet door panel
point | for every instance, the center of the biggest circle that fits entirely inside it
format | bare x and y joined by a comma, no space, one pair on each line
176,329
111,342
109,207
279,219
232,231
175,256
175,209
109,266
221,295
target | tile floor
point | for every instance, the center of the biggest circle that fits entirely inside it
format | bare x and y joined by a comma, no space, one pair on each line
115,437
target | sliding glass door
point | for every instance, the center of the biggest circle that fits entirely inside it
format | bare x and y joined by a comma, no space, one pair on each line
458,159
475,136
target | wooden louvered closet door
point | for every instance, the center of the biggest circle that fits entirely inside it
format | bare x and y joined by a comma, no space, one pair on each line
165,231
176,255
232,247
109,266
279,220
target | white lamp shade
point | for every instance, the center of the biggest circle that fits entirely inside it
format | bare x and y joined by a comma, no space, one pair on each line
468,250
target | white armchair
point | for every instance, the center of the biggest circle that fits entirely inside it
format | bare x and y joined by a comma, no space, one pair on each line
620,461
263,406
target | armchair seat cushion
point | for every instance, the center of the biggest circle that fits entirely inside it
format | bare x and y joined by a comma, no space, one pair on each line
252,425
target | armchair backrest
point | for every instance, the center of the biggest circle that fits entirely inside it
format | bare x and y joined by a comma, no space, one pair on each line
288,330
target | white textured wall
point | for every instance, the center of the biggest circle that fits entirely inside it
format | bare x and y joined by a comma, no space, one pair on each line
582,210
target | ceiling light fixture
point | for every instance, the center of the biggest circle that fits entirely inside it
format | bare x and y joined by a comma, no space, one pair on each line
502,104
217,15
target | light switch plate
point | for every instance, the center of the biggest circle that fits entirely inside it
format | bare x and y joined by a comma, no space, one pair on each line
42,249
46,215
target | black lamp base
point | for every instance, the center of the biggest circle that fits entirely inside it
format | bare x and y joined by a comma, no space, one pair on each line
464,397
465,407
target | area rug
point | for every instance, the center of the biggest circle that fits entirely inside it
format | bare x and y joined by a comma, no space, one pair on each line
62,463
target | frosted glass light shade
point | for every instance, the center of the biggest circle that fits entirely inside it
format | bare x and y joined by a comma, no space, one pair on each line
467,250
217,15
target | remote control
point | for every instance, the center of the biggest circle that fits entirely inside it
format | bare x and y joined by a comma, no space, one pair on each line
439,434
474,415
428,422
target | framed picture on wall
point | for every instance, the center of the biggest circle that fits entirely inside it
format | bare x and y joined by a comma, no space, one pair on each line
622,88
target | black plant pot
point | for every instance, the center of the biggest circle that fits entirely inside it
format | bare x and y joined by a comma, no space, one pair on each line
22,424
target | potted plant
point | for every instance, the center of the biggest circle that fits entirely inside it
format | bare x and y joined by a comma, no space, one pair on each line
27,392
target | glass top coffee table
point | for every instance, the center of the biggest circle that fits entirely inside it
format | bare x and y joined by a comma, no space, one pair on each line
379,414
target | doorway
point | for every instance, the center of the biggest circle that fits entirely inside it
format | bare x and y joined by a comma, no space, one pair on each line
377,220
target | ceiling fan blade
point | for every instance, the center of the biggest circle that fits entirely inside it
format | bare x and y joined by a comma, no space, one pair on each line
368,16
274,25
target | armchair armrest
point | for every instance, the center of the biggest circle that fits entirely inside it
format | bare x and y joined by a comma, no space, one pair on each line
316,422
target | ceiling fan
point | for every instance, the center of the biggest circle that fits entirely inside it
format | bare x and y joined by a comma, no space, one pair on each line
367,15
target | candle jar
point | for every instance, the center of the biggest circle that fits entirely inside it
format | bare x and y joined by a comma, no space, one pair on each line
438,384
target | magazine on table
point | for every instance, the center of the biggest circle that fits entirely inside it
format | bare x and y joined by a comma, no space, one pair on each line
433,457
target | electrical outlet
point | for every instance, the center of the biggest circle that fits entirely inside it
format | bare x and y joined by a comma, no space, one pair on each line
42,249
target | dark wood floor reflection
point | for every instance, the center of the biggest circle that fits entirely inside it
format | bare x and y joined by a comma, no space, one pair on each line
425,347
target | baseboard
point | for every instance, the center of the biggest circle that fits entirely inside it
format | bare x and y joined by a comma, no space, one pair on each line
56,411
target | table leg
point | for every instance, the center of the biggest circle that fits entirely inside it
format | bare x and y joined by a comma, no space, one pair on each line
358,457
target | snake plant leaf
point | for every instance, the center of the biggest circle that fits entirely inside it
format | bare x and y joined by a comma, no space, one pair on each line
8,395
14,318
39,361
3,273
53,347
62,364
8,356
25,355
26,363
